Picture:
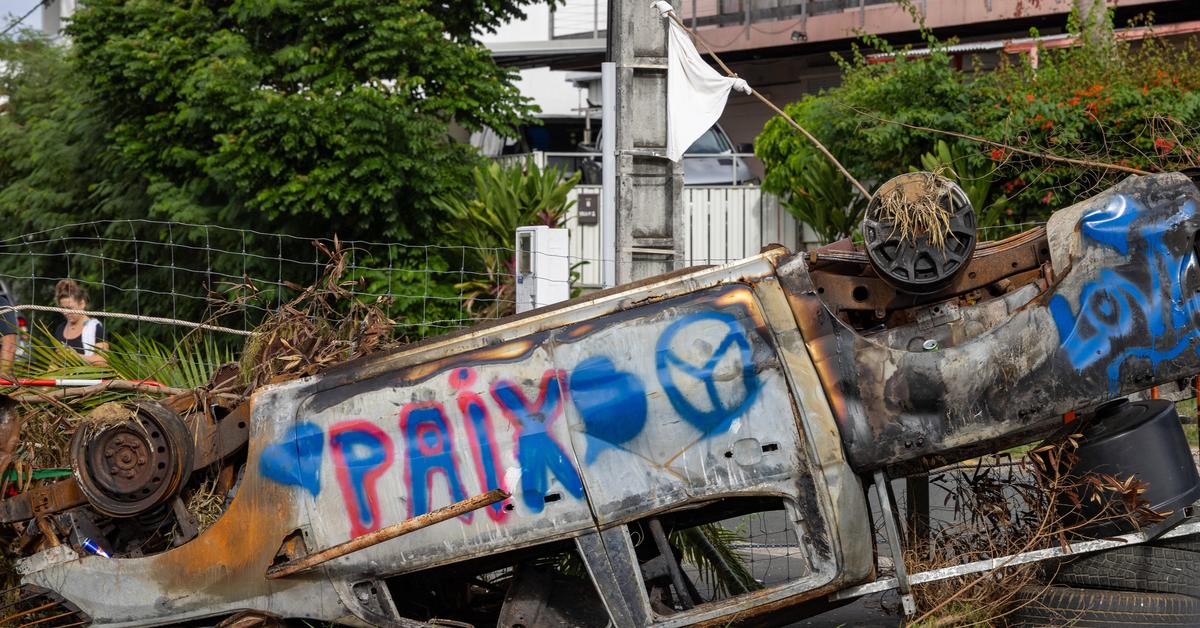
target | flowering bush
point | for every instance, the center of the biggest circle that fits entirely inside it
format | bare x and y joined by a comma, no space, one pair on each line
1106,100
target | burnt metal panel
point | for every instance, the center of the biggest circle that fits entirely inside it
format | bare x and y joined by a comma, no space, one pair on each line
544,405
1122,315
684,401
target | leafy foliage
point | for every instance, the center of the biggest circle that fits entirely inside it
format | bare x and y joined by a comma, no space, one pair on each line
818,198
308,118
336,113
486,220
46,357
187,363
423,282
1103,100
710,548
52,141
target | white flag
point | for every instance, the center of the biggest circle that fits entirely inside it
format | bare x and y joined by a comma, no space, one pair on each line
696,93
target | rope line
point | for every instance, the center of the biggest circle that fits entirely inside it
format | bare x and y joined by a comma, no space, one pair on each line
17,23
123,316
766,101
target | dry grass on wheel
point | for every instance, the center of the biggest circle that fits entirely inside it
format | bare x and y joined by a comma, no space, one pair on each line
913,204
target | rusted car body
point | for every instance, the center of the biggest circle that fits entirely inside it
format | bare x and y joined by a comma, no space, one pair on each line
689,398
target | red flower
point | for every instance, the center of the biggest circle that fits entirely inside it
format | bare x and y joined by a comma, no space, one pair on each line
1029,97
1047,198
1047,125
1073,101
1011,185
1163,145
997,154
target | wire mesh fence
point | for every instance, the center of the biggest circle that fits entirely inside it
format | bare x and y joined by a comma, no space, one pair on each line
141,271
234,277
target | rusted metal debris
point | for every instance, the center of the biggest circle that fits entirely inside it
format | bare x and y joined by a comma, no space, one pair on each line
456,509
42,500
848,283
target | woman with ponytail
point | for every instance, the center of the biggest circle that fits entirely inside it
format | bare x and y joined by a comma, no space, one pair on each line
83,334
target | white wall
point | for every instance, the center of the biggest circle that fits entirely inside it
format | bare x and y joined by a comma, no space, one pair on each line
548,89
55,14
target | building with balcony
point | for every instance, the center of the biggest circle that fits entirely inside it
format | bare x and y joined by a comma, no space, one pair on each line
784,48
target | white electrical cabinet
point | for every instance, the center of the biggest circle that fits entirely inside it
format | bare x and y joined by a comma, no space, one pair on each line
543,267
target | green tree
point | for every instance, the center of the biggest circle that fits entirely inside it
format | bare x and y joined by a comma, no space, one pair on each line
301,117
53,149
307,116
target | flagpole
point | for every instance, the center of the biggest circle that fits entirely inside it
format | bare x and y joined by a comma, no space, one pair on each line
730,73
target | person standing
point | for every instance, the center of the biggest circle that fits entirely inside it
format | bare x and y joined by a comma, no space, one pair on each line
9,329
83,334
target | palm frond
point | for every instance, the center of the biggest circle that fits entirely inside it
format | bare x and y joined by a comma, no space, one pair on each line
709,548
48,358
187,364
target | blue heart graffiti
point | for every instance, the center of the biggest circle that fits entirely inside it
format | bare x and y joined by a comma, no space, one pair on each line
296,459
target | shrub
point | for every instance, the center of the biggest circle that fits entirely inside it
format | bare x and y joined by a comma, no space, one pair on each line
1104,100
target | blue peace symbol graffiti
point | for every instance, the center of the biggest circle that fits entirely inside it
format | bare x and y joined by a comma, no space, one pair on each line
723,412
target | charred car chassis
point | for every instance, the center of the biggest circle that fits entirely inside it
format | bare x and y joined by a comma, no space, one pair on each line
781,383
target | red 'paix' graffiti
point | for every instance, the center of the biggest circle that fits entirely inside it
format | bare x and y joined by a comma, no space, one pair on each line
362,451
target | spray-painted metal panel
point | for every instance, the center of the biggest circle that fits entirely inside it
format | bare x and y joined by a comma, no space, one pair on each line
682,401
675,401
1120,314
399,447
678,384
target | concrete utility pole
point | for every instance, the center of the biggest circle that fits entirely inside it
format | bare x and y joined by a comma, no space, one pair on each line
649,187
1093,18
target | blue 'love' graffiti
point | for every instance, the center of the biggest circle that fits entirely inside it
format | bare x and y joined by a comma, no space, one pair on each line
1131,303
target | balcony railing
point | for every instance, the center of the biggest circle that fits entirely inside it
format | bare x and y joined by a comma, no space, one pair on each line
589,18
711,170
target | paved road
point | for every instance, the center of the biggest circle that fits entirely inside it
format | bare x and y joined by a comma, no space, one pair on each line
866,611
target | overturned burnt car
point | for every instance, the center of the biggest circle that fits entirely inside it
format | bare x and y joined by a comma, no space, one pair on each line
774,390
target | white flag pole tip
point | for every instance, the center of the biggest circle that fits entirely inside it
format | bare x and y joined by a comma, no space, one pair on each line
664,8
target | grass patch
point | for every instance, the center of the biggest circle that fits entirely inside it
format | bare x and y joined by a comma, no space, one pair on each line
912,203
1187,410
